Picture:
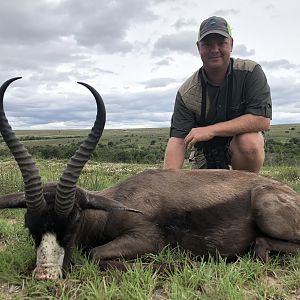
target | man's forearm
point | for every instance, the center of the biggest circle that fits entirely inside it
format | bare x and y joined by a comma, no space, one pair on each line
175,154
243,124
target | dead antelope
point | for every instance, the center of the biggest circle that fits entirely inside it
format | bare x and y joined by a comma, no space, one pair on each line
203,211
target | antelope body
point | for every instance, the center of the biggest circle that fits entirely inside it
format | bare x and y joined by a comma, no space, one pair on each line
205,211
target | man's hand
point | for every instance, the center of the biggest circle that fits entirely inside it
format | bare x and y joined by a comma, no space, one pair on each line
243,124
199,134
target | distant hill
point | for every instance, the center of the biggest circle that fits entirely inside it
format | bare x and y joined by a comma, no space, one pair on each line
144,145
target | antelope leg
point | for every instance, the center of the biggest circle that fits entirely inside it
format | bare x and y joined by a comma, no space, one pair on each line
264,245
126,246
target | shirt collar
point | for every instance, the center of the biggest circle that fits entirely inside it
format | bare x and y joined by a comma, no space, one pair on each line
228,72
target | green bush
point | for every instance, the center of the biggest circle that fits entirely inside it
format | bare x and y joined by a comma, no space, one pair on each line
148,150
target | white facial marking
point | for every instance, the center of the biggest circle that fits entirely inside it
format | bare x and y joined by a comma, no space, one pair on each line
49,258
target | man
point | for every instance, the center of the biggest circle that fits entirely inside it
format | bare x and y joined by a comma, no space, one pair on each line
222,109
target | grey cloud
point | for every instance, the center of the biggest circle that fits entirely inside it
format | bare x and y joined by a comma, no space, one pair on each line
269,7
54,41
99,70
278,64
148,101
104,24
101,24
158,82
31,22
225,12
130,119
50,54
45,68
182,22
241,50
183,42
285,96
30,108
286,100
163,62
44,109
53,44
27,108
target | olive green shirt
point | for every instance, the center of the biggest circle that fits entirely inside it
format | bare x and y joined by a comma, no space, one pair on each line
250,95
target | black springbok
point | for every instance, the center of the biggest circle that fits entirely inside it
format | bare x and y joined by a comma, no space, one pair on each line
204,211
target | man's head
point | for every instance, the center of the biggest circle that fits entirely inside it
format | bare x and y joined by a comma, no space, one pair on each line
215,43
216,25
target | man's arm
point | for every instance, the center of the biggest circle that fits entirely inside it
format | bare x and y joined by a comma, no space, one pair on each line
243,124
175,153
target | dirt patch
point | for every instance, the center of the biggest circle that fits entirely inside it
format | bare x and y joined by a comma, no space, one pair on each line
296,294
270,280
2,245
159,294
12,221
8,290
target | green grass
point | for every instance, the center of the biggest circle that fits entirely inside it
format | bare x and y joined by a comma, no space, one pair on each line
145,145
284,132
247,278
140,136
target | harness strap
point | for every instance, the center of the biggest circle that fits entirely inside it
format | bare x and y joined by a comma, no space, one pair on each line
228,97
229,92
203,104
215,150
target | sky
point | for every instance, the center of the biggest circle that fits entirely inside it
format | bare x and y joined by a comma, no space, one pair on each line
136,54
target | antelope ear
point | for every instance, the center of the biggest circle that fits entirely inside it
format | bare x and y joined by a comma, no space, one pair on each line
16,200
94,201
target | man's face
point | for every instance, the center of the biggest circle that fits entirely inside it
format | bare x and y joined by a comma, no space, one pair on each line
215,51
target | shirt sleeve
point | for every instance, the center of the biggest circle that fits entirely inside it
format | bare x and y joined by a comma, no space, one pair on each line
257,94
183,119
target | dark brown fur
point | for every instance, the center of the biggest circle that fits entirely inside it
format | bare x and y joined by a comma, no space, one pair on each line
204,211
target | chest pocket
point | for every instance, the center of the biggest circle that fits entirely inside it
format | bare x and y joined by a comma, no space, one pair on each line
238,103
237,110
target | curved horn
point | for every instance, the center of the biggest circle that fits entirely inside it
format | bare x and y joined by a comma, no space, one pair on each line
32,181
66,187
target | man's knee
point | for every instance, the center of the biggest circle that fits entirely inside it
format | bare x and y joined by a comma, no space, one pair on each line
247,152
248,144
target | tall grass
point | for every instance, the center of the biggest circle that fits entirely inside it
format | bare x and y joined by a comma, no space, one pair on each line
246,278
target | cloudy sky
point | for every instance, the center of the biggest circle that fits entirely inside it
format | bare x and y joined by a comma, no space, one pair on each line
136,53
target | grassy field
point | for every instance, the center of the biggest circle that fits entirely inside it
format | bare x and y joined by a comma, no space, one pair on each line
247,278
282,133
145,146
141,137
136,137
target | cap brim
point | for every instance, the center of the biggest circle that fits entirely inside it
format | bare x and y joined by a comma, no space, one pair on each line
221,32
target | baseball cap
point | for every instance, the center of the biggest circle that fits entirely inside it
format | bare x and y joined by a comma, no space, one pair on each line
214,25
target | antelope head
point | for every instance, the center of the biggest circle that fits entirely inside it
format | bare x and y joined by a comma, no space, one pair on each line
53,212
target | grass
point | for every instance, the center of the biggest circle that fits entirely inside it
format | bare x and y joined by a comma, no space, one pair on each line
247,278
284,132
145,145
141,137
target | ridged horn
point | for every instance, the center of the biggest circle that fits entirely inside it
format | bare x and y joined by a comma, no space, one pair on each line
66,187
32,181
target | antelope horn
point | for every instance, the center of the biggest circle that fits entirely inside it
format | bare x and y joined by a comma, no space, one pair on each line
32,181
66,187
